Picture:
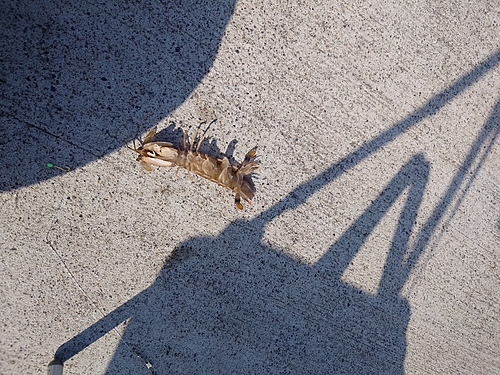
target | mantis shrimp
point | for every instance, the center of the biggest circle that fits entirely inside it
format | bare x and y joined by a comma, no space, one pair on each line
221,171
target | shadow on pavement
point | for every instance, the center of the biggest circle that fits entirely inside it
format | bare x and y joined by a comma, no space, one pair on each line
232,304
77,77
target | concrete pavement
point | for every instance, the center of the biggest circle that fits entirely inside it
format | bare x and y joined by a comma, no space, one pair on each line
372,243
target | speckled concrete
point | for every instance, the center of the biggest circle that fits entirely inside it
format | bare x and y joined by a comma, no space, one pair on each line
373,241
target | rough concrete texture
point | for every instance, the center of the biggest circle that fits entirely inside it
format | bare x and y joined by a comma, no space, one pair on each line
373,242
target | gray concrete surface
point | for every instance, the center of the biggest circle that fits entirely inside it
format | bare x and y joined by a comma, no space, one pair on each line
373,242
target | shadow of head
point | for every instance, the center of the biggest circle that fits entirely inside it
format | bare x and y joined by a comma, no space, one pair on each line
231,304
77,77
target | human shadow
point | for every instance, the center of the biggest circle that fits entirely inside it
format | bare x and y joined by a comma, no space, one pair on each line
77,77
233,304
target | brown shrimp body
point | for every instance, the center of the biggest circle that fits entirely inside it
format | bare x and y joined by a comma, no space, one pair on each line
221,171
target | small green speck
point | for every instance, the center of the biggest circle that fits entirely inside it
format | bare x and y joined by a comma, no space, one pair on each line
50,165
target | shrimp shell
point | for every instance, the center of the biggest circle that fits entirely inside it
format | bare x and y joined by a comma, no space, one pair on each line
220,171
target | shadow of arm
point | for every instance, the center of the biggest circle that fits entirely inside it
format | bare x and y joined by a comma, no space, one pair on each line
97,330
